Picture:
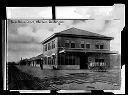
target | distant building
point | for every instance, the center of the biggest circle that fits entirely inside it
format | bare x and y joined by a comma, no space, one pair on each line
76,49
36,61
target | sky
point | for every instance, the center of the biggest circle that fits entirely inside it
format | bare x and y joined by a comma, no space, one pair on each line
24,39
29,12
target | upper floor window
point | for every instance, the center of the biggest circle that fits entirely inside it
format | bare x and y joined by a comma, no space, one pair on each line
67,43
88,46
72,44
82,44
99,46
53,44
49,46
45,47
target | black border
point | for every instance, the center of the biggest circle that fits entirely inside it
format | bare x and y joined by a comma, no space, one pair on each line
47,3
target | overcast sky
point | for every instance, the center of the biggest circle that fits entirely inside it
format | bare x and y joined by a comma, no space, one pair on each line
24,38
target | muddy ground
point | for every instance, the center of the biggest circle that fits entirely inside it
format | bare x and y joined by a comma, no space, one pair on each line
33,78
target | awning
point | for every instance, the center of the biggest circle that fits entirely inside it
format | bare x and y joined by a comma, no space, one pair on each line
104,52
88,51
53,54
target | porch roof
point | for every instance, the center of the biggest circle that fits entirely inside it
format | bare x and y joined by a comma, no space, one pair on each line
106,52
88,51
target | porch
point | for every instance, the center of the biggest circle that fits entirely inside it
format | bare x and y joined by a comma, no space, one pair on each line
73,60
84,59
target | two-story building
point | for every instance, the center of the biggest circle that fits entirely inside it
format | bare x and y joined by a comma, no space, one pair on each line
76,49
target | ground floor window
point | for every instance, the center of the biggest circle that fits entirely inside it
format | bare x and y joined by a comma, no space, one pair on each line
45,60
67,59
99,60
61,59
52,61
49,61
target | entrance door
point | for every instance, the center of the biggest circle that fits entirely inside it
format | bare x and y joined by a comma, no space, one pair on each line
83,61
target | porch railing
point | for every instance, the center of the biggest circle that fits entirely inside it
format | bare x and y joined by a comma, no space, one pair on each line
97,66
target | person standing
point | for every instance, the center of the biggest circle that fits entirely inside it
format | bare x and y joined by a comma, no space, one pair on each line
41,63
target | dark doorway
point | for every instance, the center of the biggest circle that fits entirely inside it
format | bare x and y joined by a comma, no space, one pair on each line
83,61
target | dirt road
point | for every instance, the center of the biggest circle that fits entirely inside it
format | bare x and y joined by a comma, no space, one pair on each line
30,78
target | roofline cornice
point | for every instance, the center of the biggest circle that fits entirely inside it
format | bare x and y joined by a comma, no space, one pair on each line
77,36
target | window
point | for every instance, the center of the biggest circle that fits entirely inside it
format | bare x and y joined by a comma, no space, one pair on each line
61,59
72,44
67,60
96,60
87,45
90,59
49,60
82,44
45,47
71,60
99,46
53,44
45,60
49,46
67,43
53,61
99,60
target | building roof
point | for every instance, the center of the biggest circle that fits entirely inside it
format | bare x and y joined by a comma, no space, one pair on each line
40,56
37,57
74,32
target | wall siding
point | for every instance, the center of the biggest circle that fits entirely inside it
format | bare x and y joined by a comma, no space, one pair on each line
78,40
60,42
51,51
75,67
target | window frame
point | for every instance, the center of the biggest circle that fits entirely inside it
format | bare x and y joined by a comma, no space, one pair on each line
99,46
49,46
82,43
73,42
99,59
53,44
67,42
45,47
89,45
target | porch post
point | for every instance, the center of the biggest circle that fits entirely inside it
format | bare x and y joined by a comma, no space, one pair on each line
64,58
60,58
